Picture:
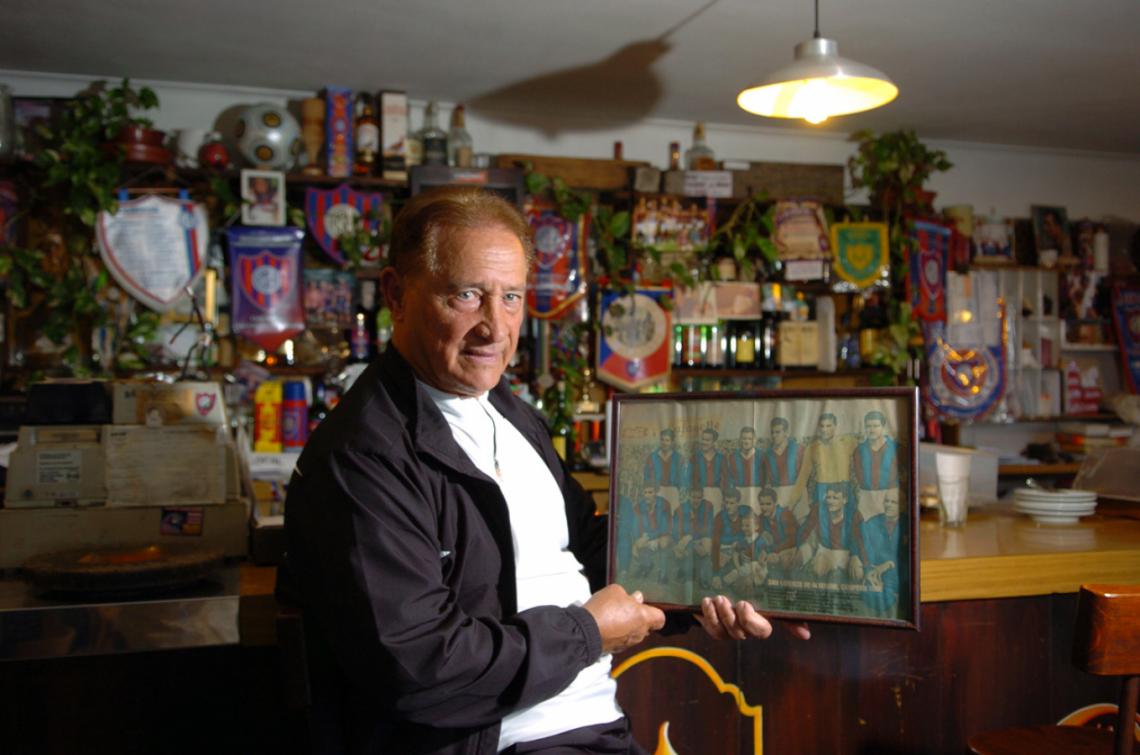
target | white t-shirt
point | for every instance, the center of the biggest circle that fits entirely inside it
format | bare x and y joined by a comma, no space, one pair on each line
546,572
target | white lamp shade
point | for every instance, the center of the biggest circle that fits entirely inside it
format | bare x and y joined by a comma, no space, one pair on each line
817,85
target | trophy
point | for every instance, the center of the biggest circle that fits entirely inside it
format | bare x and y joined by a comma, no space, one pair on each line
312,133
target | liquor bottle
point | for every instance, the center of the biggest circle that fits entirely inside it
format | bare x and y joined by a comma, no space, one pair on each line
460,150
432,137
714,354
699,156
562,424
367,139
360,333
694,346
745,344
619,151
674,155
320,408
678,345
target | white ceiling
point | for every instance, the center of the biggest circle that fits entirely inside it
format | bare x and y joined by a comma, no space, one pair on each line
1046,73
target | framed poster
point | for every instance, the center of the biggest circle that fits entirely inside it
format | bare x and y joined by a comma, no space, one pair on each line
802,502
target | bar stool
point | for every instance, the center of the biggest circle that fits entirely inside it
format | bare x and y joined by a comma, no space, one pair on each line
1106,643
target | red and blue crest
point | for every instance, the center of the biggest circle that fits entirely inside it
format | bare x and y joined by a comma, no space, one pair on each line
331,213
266,279
558,274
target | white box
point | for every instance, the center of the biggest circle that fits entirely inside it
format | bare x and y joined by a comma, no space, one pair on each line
394,135
30,532
56,465
154,404
159,466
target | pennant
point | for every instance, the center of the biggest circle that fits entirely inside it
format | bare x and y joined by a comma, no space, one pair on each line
154,247
558,274
333,212
1126,316
265,270
927,281
633,340
861,256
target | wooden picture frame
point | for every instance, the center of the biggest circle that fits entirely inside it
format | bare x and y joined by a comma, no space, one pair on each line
812,485
263,197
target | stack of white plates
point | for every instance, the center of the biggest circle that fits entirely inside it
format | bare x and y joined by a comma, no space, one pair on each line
1054,506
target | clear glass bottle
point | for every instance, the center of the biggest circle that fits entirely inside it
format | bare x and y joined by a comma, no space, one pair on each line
432,138
700,156
460,148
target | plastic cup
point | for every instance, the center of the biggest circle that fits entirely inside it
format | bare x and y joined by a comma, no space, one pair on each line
953,488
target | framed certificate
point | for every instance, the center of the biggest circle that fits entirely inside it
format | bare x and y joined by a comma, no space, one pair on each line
802,502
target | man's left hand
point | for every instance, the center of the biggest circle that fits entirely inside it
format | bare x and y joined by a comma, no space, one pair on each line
723,619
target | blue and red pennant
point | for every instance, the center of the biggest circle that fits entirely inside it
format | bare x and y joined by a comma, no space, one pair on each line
265,270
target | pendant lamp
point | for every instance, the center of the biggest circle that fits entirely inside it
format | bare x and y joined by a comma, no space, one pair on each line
818,84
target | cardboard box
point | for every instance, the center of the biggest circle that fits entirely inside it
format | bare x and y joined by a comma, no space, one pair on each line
393,135
56,465
156,404
29,532
160,466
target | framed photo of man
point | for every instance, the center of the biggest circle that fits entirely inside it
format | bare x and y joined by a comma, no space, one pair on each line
802,502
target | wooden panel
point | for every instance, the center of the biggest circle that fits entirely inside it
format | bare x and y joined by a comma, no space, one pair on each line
579,172
790,181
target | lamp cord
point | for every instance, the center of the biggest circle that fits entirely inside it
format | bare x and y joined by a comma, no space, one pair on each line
816,35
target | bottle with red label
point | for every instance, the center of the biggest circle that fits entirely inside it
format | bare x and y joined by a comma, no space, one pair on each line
294,416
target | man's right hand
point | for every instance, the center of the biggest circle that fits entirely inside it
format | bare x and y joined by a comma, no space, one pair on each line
623,619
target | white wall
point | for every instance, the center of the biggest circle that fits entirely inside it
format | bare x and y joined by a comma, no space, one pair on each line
1004,179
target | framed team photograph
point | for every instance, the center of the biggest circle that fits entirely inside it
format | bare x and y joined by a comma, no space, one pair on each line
263,197
803,503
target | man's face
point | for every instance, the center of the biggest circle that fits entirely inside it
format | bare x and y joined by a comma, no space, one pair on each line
827,428
779,435
874,429
708,442
835,500
747,440
891,506
649,495
666,442
767,507
747,522
459,326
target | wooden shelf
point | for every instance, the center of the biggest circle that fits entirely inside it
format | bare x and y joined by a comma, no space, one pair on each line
789,372
1028,470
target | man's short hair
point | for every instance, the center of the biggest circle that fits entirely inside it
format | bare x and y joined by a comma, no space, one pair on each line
875,415
781,422
422,227
747,429
767,493
710,431
668,431
732,493
828,416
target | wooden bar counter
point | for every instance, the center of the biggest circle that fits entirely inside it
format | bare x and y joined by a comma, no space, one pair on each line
998,602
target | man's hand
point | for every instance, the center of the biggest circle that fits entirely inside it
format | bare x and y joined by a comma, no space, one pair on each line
723,619
623,619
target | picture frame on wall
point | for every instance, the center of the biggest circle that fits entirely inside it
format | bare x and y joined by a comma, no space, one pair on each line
803,503
263,197
1051,236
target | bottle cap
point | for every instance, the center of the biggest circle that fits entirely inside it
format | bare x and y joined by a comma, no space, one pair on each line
294,390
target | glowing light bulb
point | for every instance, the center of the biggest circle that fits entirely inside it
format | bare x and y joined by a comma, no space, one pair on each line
812,101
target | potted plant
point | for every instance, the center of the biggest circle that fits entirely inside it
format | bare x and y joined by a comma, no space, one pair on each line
58,276
894,167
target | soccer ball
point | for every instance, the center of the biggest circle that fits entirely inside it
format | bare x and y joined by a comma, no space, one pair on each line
268,136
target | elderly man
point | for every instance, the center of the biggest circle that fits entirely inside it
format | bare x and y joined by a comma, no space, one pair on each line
435,541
